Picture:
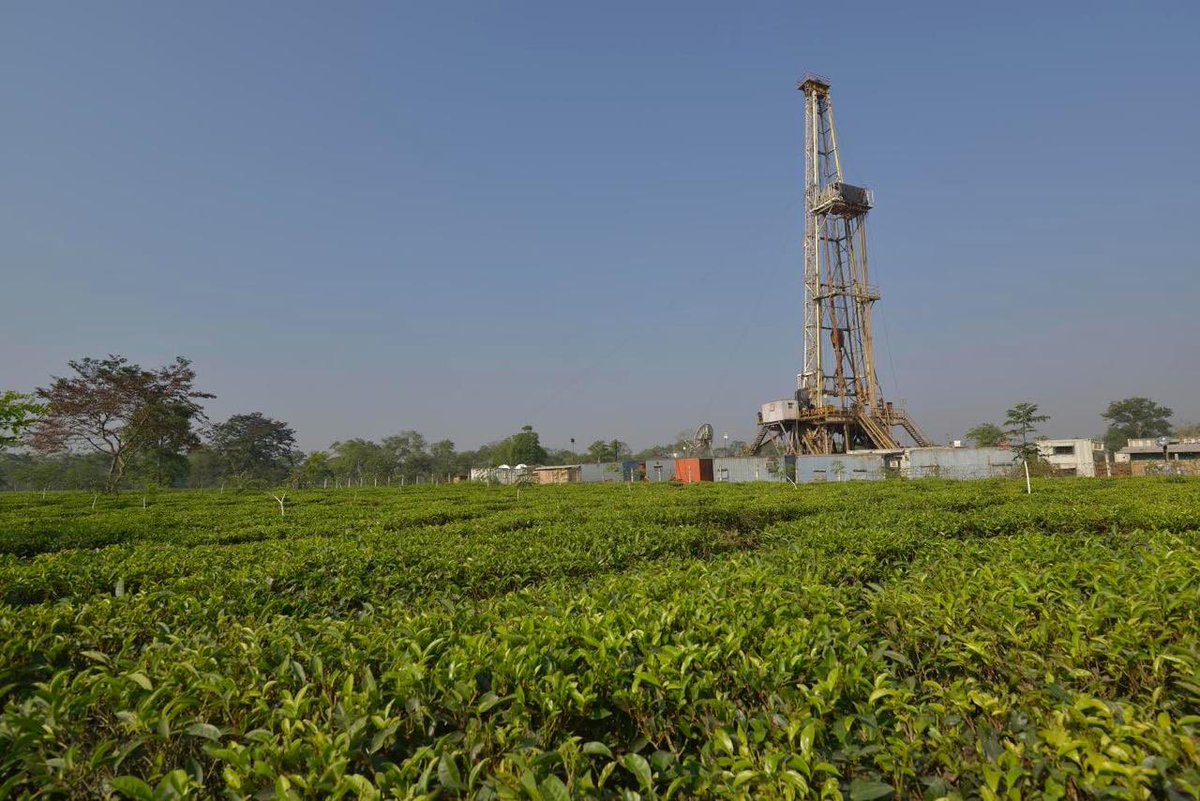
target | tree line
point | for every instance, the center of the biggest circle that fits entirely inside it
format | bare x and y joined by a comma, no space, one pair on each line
1131,418
110,423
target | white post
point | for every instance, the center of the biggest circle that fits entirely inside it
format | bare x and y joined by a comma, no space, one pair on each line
1028,486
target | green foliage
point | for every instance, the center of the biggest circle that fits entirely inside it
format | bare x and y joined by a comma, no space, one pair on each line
1022,420
1134,418
17,413
118,409
26,471
523,447
987,435
314,471
254,446
611,451
848,640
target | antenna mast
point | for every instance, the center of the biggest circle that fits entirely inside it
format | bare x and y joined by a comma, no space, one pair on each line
838,405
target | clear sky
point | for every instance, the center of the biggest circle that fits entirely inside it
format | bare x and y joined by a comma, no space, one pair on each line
461,218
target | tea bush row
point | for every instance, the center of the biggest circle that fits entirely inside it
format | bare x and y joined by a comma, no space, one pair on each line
908,640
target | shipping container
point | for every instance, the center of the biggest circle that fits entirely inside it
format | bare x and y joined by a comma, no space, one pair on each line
600,473
691,471
754,468
659,469
840,467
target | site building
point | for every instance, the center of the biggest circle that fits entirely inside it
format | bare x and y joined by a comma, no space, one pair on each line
1145,456
558,474
1073,457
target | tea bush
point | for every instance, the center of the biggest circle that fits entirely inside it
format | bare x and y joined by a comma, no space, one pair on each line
861,640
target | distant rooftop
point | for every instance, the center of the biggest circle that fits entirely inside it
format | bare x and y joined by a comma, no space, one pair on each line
1151,442
1177,447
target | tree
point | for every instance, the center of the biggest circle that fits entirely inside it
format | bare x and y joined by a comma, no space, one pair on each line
1187,430
611,451
1134,418
253,446
165,435
409,455
313,471
1022,421
563,456
521,448
116,408
204,468
987,435
357,460
443,460
17,413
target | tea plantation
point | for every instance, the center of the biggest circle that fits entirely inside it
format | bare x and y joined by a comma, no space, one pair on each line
863,640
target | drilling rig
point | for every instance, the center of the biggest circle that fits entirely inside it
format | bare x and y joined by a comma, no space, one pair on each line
838,406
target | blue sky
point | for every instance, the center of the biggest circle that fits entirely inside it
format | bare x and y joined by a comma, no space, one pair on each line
461,218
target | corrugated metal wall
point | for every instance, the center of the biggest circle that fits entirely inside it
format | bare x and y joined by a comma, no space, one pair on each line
961,463
956,462
660,469
599,473
839,467
753,468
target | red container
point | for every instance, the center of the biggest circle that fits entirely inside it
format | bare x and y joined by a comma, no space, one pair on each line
690,471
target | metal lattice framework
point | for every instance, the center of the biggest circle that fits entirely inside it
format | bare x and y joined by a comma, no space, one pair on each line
838,405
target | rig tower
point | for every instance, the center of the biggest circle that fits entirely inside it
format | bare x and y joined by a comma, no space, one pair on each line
838,406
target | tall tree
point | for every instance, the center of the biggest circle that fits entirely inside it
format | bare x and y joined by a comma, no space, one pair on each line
17,413
611,451
314,470
165,436
523,447
205,469
987,435
408,450
1134,418
443,460
117,409
361,461
1022,420
254,446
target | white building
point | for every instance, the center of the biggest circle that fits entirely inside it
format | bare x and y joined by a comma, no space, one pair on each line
1076,457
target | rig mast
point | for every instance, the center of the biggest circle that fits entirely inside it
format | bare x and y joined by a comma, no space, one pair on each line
838,405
